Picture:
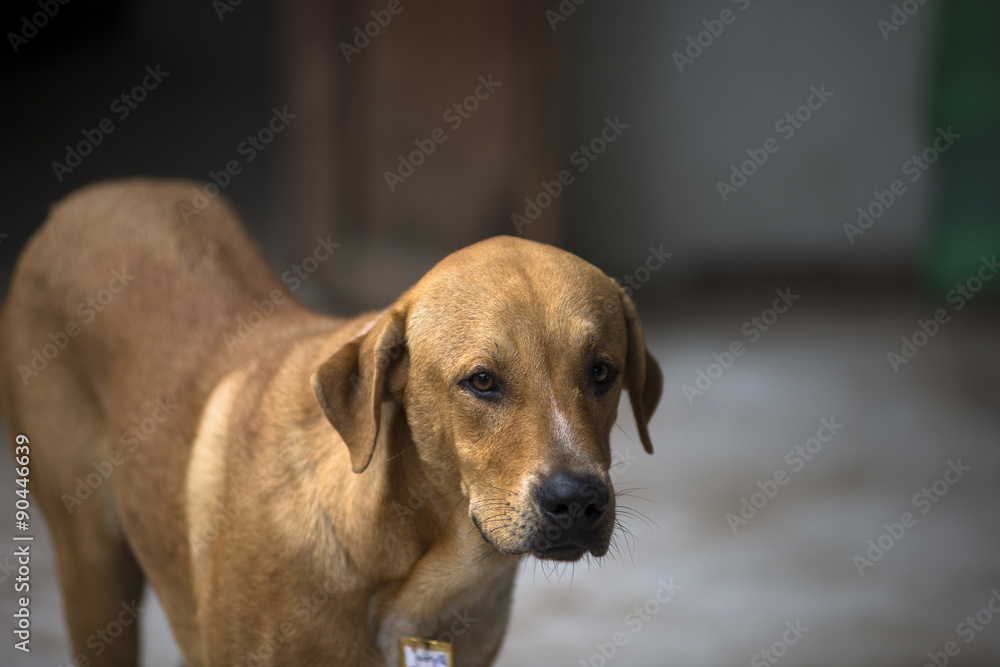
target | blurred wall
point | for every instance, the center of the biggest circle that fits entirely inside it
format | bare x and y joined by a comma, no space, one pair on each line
688,126
420,130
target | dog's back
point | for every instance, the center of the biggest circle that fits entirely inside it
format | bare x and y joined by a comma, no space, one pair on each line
124,245
69,374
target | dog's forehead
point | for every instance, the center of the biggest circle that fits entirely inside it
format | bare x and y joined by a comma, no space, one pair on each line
503,277
510,292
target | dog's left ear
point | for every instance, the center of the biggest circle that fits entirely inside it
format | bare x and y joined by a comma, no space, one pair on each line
351,385
643,379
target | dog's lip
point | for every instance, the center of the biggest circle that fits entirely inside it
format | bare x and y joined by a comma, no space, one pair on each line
572,550
563,552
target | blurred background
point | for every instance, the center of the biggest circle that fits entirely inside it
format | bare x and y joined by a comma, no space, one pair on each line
802,198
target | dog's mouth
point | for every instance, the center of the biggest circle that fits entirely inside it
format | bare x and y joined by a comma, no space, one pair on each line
548,546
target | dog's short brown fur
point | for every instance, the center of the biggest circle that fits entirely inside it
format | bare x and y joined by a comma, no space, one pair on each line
462,416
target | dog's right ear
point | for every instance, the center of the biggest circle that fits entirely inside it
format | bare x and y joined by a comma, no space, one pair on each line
351,385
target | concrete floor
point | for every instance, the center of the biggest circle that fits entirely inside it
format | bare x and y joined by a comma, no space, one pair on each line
707,596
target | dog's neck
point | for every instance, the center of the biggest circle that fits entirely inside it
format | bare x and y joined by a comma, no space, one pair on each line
455,569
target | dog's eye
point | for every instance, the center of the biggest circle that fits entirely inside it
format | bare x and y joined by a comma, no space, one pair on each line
602,373
483,382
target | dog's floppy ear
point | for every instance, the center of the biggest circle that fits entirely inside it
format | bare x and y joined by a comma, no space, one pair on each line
643,378
351,385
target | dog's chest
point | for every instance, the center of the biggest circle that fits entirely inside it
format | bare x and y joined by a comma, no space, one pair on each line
473,622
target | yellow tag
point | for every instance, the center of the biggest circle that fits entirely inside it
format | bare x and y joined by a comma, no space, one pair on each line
415,652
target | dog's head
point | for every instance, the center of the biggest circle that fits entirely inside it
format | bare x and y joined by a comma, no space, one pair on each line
508,358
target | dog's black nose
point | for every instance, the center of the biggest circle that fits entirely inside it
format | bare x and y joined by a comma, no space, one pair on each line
573,502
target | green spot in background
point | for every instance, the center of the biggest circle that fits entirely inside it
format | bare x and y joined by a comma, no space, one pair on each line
966,97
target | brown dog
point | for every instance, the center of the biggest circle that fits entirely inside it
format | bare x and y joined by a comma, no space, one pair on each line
179,405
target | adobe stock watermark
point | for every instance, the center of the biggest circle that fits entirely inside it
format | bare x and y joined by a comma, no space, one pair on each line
927,329
634,620
247,325
967,629
786,126
121,106
620,467
130,440
634,281
562,12
924,500
914,168
88,309
31,25
99,641
455,116
294,277
898,17
459,624
581,158
7,569
269,645
779,648
752,329
223,7
363,35
714,28
227,514
419,495
796,458
248,149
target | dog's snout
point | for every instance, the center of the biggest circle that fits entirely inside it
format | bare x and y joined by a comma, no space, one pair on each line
574,502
